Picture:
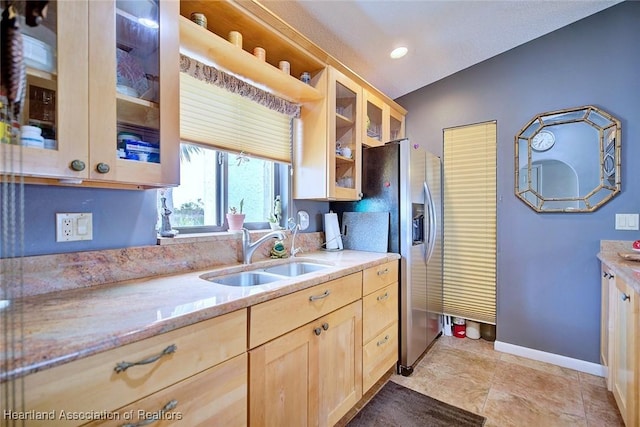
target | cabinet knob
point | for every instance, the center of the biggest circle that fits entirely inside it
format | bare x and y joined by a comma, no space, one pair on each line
325,326
626,297
103,168
77,165
317,331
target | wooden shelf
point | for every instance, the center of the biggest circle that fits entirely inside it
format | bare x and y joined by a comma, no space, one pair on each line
344,159
343,122
205,46
136,111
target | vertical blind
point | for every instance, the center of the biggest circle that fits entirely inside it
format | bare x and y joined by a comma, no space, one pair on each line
469,230
213,116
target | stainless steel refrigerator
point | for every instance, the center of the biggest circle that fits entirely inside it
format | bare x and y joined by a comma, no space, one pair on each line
403,179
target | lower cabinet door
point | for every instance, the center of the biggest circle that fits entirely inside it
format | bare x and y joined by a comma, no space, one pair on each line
283,372
624,363
217,396
340,362
310,376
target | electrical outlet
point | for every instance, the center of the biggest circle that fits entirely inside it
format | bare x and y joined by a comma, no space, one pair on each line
72,227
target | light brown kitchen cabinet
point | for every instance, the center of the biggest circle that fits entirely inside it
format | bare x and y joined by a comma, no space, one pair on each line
327,157
217,396
606,318
624,368
156,366
311,375
396,125
382,123
56,95
620,327
141,98
379,322
81,108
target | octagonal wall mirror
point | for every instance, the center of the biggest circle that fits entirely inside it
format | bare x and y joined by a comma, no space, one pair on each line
568,160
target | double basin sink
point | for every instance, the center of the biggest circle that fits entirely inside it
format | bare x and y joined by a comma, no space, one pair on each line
266,275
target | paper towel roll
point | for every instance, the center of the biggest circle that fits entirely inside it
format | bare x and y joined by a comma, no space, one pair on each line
332,231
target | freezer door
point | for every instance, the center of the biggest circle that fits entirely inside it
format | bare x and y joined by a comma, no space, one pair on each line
413,306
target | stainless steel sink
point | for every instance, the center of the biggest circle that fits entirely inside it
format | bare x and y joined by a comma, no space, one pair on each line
245,278
293,269
265,275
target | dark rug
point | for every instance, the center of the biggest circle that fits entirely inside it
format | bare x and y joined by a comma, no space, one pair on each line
395,405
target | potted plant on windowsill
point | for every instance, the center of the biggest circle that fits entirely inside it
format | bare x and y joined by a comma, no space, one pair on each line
235,218
274,223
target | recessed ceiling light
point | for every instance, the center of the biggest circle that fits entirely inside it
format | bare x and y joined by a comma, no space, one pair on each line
399,52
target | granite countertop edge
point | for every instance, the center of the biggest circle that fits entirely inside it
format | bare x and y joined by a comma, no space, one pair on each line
60,327
629,271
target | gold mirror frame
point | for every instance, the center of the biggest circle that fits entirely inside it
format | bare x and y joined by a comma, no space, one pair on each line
570,145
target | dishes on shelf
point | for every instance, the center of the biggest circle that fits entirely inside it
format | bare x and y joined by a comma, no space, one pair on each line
126,90
130,74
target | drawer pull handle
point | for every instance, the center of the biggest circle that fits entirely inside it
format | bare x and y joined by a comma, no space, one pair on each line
383,341
325,326
383,297
156,417
381,272
317,297
626,297
317,331
123,366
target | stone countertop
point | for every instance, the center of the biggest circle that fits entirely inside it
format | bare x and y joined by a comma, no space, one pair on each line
60,327
628,270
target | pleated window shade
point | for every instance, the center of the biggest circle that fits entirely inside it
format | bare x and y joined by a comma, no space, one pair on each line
215,117
469,169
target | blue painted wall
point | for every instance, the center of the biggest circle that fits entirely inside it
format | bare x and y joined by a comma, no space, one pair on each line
548,276
121,218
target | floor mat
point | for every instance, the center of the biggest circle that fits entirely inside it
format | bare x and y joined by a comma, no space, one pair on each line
395,405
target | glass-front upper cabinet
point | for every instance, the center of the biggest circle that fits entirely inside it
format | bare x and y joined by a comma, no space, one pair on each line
345,138
396,125
51,129
134,120
376,127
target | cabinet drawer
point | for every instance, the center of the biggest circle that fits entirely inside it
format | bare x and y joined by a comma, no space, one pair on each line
92,383
273,318
379,309
379,355
379,276
217,396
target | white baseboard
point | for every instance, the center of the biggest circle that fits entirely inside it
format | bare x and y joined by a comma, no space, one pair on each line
554,359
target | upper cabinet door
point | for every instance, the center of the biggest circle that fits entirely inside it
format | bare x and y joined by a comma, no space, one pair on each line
55,99
376,127
345,143
133,92
396,125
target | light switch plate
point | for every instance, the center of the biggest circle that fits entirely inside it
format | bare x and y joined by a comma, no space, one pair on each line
72,227
627,221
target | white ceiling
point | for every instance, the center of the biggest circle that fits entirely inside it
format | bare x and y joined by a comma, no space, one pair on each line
443,36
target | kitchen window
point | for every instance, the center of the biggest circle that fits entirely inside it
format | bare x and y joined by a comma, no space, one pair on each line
212,181
236,146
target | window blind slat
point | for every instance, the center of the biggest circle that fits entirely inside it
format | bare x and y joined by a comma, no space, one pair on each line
213,116
469,254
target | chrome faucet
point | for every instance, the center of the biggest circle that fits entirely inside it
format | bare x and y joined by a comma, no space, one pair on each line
249,248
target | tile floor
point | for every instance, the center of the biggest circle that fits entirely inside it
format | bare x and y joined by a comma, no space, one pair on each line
510,390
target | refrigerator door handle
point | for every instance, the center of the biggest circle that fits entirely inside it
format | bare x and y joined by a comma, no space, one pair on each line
430,224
